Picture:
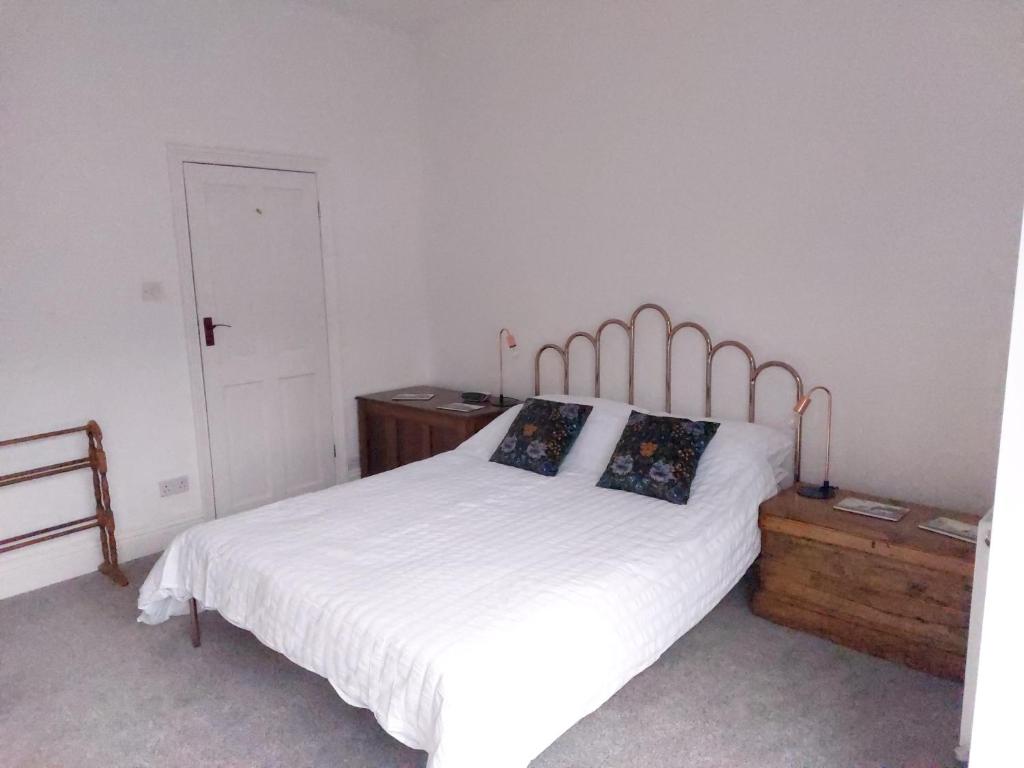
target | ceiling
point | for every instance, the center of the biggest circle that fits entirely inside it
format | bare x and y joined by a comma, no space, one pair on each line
405,15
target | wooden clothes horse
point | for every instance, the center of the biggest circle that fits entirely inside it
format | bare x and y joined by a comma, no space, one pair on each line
103,518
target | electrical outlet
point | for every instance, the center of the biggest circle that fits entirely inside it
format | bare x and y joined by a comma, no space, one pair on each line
173,486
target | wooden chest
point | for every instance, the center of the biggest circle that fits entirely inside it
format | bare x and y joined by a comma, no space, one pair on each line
394,433
889,589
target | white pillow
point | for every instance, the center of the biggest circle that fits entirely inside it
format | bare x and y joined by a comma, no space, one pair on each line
593,448
485,442
775,444
600,435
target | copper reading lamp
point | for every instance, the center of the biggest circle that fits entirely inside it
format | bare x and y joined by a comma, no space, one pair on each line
824,491
505,339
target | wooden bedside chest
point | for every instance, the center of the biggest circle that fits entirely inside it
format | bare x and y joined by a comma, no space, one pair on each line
889,589
393,433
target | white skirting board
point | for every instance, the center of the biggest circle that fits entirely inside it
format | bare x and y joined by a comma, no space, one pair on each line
53,561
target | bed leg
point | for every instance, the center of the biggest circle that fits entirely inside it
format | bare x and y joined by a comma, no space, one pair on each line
194,610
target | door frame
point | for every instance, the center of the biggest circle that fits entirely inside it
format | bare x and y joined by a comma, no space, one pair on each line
177,156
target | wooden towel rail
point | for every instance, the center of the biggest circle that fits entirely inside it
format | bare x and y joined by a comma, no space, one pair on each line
96,461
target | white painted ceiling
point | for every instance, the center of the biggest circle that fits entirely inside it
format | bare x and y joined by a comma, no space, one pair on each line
405,15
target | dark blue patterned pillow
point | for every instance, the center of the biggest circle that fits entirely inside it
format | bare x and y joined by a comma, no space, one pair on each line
658,456
541,436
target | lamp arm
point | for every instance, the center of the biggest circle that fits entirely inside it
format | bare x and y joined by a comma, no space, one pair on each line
828,428
501,366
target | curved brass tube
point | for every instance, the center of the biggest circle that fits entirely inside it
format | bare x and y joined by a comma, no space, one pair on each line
711,350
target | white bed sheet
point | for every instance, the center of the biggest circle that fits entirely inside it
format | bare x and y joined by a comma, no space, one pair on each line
477,610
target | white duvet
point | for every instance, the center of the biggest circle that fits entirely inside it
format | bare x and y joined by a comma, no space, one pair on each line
477,610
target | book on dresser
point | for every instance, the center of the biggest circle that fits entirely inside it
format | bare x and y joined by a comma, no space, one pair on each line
953,528
891,512
460,407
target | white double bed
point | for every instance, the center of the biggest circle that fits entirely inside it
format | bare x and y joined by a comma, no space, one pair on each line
479,610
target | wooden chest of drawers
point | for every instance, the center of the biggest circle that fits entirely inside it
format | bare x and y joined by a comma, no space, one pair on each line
889,589
393,433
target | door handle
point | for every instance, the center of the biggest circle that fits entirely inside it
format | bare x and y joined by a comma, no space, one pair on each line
208,326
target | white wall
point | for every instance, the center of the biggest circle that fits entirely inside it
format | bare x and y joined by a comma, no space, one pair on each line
836,183
91,93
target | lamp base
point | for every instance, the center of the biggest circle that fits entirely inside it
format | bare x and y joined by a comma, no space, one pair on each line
504,401
823,491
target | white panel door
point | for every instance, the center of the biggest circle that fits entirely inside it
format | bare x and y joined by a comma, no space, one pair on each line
258,269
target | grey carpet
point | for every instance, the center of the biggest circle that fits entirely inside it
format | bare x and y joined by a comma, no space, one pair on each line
82,685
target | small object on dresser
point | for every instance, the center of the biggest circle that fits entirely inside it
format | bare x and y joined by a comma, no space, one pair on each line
512,344
890,512
946,526
476,398
414,396
823,491
460,407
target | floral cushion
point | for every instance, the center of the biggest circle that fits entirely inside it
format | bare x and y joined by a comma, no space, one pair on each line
658,456
541,436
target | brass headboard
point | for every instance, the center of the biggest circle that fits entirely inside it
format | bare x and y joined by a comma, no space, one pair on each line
711,350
